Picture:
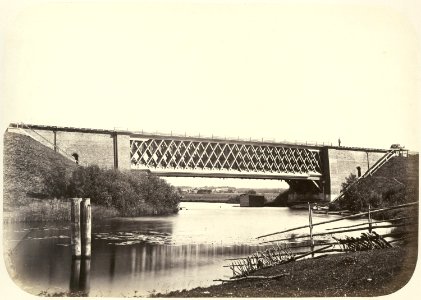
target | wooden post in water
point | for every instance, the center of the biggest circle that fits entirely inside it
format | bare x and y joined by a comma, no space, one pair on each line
75,235
370,225
310,225
86,227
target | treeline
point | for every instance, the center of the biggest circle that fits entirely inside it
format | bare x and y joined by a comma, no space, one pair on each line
131,194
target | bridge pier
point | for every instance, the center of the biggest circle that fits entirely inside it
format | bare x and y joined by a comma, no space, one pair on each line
304,191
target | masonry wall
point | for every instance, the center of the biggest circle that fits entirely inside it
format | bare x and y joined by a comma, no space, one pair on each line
123,146
343,162
92,148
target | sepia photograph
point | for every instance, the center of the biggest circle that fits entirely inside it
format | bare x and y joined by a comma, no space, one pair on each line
210,148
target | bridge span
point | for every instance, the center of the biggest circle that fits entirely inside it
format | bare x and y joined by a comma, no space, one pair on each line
314,172
202,157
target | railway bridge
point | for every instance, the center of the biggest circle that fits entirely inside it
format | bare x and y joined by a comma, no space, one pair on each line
313,172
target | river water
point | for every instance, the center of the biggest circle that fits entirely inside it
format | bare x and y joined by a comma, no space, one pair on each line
140,256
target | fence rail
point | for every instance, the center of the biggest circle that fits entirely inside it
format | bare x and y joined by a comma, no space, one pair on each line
244,266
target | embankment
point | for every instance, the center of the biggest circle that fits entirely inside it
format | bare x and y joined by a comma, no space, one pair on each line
395,183
26,165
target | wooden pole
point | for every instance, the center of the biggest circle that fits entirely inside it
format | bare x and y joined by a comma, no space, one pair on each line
370,225
310,226
86,227
75,235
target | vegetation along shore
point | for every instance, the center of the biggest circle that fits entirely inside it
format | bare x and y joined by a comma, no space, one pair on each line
38,182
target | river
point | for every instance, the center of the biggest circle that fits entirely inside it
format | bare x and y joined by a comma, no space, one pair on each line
144,255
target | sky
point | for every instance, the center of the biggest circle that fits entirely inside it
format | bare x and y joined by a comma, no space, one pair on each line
286,70
315,70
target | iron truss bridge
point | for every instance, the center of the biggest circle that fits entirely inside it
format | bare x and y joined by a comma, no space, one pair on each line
195,157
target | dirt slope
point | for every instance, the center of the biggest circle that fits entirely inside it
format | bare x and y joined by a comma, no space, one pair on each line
26,164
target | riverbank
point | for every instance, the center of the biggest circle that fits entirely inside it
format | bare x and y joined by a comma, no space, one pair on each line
39,181
368,273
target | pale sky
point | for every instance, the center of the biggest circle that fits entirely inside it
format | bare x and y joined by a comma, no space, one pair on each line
284,70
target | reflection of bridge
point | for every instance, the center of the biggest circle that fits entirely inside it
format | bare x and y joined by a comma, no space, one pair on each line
314,172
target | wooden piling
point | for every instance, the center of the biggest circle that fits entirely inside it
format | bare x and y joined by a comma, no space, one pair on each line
86,227
370,225
75,235
310,226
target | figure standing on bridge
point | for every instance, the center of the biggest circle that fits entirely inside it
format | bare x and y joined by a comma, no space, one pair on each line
339,142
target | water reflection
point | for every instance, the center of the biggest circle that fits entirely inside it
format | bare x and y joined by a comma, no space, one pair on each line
80,276
139,256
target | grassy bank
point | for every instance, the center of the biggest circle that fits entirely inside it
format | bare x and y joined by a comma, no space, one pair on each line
26,165
396,182
368,273
38,181
52,210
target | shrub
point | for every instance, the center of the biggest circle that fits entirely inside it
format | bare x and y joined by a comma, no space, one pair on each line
131,194
378,192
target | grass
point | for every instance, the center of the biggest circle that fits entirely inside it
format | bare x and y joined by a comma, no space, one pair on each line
366,273
26,164
52,210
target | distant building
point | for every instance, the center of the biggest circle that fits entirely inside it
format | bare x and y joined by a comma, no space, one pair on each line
247,200
223,190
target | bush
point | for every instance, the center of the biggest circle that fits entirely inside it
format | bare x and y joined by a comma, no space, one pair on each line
131,194
378,192
55,182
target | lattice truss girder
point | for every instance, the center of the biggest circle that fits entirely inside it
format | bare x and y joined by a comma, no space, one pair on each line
169,154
